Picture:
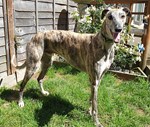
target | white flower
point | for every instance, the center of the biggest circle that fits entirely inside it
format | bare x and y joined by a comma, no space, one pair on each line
138,58
87,11
131,51
93,8
89,19
76,13
83,20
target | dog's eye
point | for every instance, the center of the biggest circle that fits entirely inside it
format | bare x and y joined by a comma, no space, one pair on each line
123,16
110,17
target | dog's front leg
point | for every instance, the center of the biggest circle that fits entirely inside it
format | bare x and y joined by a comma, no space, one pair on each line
94,106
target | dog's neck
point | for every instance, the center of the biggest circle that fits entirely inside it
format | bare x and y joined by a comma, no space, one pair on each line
104,32
106,39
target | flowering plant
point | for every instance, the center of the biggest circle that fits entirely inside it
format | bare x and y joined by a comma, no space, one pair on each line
126,54
91,21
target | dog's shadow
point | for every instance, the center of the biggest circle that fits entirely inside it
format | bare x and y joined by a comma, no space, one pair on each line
9,95
51,104
13,95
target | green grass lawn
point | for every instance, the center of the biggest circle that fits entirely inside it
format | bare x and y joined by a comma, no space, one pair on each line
121,103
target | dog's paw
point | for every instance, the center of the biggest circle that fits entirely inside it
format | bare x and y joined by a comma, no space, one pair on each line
21,104
90,111
98,124
46,93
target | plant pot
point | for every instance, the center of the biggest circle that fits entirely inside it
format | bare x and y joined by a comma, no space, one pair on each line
129,76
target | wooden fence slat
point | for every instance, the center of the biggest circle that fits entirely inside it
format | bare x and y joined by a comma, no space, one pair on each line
1,11
25,22
24,14
3,67
45,21
2,59
45,7
2,51
24,30
24,6
63,2
45,27
59,8
45,15
1,22
2,41
2,32
6,36
46,1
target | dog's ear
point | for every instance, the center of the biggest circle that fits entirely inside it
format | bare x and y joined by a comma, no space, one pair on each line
127,11
104,12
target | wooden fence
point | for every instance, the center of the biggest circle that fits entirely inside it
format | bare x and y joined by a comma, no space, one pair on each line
3,39
21,19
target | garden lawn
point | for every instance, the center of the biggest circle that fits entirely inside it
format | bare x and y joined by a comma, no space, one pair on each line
121,103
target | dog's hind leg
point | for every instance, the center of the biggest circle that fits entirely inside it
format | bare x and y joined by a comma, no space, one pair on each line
45,64
29,72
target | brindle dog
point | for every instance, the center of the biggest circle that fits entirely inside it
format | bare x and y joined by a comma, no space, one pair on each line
91,53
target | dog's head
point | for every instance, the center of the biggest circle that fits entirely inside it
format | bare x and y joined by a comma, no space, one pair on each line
115,20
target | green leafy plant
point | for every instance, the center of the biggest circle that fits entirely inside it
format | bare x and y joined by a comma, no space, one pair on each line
126,56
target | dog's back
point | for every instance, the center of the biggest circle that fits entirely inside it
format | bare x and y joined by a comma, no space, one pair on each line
72,46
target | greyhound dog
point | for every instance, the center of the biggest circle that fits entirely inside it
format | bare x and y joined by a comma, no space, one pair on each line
91,53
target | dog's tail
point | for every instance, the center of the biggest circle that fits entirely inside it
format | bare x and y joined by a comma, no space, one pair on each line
17,66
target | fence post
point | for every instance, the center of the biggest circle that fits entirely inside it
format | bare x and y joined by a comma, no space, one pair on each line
54,26
147,40
36,16
6,37
10,31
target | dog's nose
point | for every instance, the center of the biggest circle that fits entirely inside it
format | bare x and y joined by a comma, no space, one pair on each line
118,30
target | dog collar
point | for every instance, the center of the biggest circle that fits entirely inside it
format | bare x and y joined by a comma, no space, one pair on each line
107,40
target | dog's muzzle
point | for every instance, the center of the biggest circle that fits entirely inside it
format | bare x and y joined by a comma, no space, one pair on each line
116,35
118,30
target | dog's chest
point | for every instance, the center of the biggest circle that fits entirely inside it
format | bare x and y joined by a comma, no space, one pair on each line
105,62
